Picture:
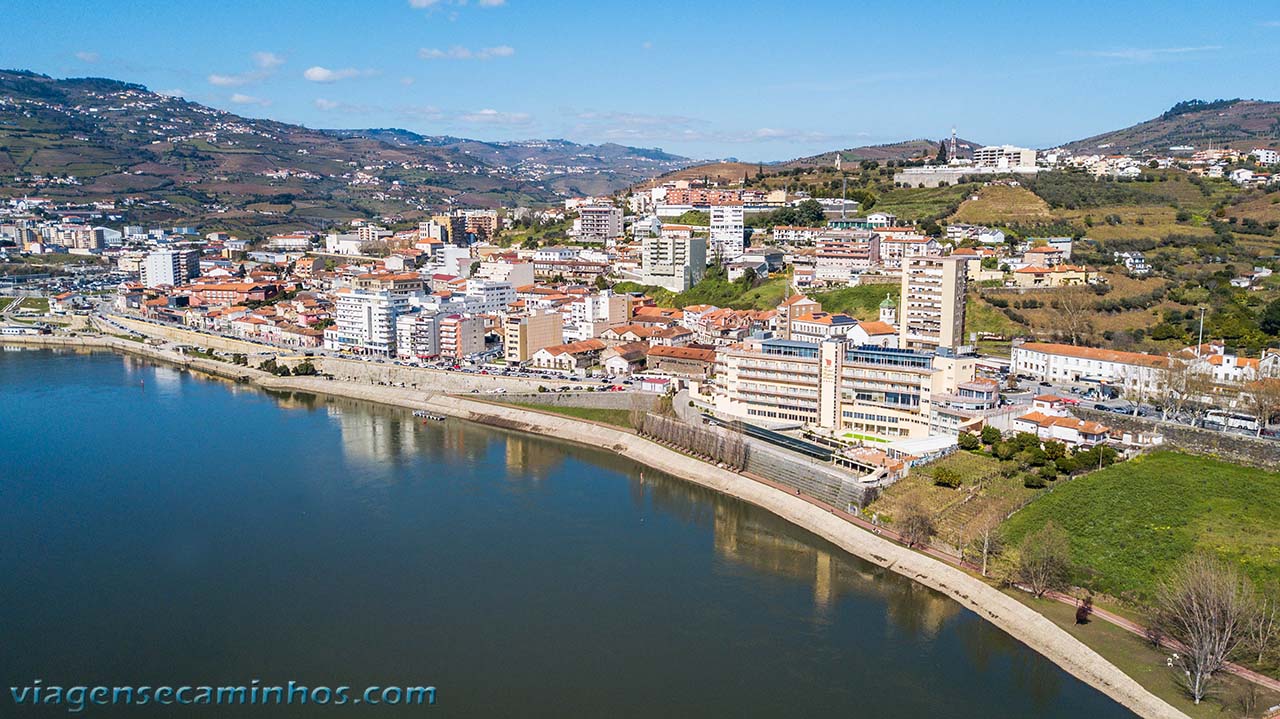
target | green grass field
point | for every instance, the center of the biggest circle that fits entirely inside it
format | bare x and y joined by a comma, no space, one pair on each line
714,290
1130,523
917,203
861,301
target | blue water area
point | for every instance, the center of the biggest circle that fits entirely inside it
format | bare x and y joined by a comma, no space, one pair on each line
159,528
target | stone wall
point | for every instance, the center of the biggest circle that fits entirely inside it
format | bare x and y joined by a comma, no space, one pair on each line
647,401
193,338
1237,448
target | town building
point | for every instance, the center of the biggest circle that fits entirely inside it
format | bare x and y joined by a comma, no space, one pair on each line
728,232
672,262
364,322
170,267
931,308
599,223
524,335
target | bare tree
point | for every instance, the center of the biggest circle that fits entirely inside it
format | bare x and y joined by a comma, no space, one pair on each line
1076,311
1262,399
916,526
1044,559
1205,606
987,541
1264,624
1185,384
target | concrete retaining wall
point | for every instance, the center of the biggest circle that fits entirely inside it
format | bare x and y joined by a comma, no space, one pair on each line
1238,448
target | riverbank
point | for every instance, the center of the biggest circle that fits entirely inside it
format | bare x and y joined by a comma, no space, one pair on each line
1018,620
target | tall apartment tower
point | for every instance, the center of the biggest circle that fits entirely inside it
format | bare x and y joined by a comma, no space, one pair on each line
931,309
673,263
728,232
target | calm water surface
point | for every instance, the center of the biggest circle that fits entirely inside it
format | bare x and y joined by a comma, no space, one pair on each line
159,528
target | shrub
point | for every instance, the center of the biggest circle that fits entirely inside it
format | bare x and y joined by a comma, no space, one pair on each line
946,477
969,441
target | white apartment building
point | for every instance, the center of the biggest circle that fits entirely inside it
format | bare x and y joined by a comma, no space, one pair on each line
797,235
931,307
516,274
418,335
1266,156
1049,362
672,262
364,321
488,298
1004,156
598,223
728,232
169,267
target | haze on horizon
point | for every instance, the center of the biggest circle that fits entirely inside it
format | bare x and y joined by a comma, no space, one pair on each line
759,82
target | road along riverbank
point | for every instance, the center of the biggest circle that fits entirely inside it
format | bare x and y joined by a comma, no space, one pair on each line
1015,618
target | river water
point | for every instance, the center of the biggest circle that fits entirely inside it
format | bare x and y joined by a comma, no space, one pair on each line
163,529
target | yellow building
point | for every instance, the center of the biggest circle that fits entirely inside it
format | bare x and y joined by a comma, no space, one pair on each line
526,334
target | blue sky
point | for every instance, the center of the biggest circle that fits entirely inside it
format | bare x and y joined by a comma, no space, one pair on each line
709,79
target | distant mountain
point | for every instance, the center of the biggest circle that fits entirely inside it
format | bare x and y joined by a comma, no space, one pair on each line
905,150
168,158
1241,124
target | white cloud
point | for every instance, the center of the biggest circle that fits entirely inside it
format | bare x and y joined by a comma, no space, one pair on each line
228,80
1143,54
324,74
324,104
87,56
457,52
493,117
172,92
1270,23
267,60
242,99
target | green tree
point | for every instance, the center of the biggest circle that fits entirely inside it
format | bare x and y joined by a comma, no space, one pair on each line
969,441
990,435
1270,320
